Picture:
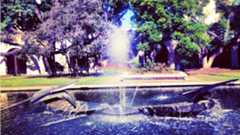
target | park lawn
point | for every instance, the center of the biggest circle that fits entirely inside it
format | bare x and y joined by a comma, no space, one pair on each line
219,76
25,81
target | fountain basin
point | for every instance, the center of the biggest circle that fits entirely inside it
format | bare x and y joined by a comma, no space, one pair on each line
44,119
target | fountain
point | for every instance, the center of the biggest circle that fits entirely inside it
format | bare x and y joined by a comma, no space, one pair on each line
120,38
118,50
123,100
119,46
124,110
102,118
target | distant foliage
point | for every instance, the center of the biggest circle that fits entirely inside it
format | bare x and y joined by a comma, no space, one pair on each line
143,47
82,27
21,13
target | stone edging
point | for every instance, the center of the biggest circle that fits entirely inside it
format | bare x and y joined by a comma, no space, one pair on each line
142,85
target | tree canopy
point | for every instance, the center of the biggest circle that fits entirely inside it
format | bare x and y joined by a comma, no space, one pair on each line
75,28
200,29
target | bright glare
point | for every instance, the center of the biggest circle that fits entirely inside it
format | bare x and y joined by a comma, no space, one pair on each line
39,2
119,45
211,15
120,39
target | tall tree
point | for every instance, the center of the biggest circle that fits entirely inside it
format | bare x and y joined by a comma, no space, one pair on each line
221,17
79,22
169,24
23,15
192,30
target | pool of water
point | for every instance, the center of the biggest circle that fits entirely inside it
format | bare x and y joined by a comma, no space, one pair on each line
41,118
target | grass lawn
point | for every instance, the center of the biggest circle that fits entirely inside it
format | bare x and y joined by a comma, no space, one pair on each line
216,76
25,81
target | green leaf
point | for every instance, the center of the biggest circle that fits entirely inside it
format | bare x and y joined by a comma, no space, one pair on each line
143,46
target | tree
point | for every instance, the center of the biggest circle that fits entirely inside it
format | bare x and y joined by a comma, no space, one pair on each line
192,30
23,15
79,22
223,30
169,23
18,17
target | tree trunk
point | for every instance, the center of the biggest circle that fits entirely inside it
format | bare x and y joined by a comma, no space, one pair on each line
68,62
171,46
52,64
15,65
207,61
47,65
234,57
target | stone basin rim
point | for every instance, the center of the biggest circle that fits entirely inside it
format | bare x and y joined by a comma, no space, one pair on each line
99,87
